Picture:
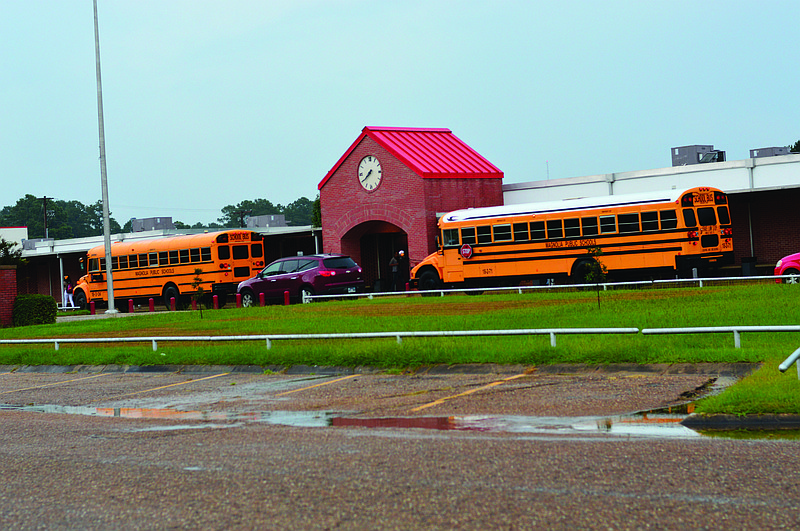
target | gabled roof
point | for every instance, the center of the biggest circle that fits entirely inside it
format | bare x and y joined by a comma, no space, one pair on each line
430,153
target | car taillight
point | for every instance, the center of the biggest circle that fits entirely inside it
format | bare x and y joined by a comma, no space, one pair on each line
727,232
326,273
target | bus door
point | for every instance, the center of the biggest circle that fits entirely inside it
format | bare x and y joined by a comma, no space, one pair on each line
451,261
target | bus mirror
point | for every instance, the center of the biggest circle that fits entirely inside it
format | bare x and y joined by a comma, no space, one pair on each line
83,267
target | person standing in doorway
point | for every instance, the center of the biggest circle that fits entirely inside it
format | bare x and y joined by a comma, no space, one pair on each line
68,293
394,263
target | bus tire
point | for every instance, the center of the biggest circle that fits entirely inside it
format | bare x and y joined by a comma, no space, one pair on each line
170,292
429,280
248,298
580,269
791,280
79,298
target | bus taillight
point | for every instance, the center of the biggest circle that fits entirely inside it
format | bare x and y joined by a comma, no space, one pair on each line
692,234
727,232
720,198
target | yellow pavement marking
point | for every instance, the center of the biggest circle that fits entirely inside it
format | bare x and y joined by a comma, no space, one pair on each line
52,384
465,393
166,386
317,385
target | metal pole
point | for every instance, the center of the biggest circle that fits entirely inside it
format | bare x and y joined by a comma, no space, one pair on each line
103,176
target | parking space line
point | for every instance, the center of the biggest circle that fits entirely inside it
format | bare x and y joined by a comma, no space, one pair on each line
53,384
317,385
465,393
167,386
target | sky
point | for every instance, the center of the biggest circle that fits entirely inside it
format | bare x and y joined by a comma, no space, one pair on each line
211,102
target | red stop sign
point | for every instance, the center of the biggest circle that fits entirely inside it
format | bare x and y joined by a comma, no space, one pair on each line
466,251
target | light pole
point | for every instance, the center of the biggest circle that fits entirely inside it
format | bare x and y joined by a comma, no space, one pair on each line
103,178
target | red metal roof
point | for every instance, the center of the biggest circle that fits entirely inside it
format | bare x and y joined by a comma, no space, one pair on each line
430,153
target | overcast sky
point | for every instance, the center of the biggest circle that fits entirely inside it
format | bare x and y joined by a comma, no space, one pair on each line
208,103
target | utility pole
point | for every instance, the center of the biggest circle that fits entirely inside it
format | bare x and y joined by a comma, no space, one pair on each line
241,214
103,177
44,207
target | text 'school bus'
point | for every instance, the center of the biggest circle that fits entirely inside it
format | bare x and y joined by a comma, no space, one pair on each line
168,267
654,233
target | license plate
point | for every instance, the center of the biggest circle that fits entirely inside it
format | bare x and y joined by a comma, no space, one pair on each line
351,290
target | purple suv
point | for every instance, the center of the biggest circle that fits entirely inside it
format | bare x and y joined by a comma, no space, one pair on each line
316,274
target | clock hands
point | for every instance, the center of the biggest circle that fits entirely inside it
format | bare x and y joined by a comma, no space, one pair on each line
367,175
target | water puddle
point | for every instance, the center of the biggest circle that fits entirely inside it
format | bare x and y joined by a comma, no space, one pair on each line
665,423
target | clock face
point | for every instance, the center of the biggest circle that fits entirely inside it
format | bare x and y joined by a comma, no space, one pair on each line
369,173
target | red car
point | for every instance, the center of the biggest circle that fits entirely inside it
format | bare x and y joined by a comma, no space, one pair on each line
317,274
788,265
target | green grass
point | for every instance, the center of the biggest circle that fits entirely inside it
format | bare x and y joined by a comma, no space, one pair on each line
767,304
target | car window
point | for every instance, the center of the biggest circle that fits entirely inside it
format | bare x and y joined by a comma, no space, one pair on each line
289,266
306,264
339,262
272,269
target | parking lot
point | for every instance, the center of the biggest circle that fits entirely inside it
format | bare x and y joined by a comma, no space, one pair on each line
468,448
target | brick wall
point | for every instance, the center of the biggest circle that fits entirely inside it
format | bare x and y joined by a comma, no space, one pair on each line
403,199
775,221
8,292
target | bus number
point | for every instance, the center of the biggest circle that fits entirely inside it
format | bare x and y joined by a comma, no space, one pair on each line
487,271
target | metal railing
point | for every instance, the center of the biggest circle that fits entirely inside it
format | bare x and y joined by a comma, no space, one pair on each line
783,367
269,338
669,283
737,330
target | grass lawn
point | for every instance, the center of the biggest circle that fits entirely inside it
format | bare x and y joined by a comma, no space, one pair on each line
766,390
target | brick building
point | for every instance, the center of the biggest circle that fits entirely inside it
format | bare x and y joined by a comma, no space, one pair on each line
386,191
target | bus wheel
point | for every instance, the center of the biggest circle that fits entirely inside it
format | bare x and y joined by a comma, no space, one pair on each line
248,298
791,280
79,298
579,272
428,280
169,293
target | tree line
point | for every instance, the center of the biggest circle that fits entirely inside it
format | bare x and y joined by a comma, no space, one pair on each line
47,217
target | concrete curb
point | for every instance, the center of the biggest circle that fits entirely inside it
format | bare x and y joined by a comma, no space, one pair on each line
743,422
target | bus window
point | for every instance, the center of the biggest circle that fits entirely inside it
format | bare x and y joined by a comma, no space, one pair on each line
706,216
194,255
554,229
114,263
240,252
163,258
521,232
608,224
724,215
184,256
133,260
123,262
205,254
572,228
485,234
94,264
256,250
173,257
468,235
669,220
649,221
153,259
589,226
628,223
688,217
450,237
502,233
143,260
537,230
224,252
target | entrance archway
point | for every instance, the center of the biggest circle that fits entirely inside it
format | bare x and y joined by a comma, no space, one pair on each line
374,243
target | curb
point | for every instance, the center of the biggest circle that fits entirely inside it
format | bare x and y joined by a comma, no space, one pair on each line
724,422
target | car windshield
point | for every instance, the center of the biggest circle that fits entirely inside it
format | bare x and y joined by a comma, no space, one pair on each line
339,262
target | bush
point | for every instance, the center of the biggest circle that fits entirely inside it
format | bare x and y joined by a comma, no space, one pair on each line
34,309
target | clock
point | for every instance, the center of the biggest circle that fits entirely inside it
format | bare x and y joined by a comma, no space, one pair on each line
369,173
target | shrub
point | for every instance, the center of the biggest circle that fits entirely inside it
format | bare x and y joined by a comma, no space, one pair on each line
34,309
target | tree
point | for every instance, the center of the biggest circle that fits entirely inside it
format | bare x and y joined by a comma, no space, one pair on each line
316,216
233,215
65,219
795,148
9,254
596,271
300,212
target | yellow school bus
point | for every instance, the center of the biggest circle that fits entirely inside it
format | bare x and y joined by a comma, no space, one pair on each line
167,267
655,234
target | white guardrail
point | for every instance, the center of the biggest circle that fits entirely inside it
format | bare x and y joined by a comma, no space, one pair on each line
358,335
678,282
737,330
783,367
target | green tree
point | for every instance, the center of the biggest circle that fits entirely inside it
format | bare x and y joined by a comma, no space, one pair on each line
316,216
795,148
300,212
65,219
233,216
9,254
596,271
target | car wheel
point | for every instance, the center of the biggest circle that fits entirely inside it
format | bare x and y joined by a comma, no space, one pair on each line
248,298
791,280
306,292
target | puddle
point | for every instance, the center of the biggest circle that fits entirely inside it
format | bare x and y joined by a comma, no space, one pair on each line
665,423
